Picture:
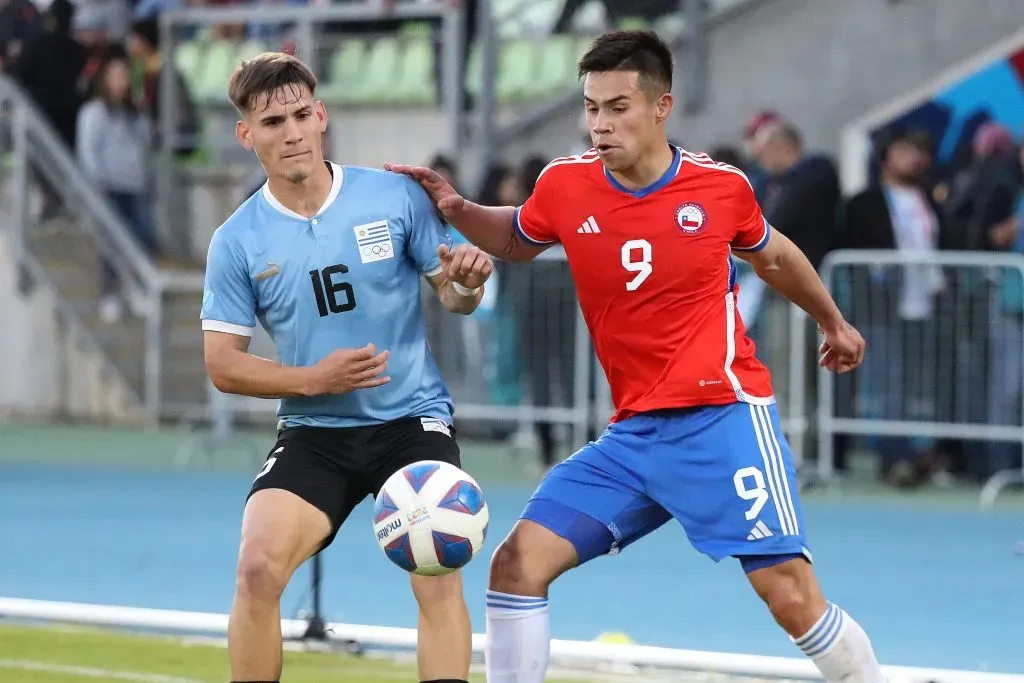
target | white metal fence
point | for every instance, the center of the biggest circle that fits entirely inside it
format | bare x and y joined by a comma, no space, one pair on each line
945,352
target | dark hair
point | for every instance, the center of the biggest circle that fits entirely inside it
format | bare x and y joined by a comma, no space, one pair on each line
727,154
530,172
493,178
264,75
641,51
147,30
62,15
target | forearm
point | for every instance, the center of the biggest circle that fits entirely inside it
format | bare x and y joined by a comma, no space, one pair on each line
247,375
491,228
791,274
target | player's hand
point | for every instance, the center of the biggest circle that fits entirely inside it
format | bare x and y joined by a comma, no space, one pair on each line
466,265
346,370
445,198
842,350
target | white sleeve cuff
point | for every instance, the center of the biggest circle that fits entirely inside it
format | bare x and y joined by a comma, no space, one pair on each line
228,328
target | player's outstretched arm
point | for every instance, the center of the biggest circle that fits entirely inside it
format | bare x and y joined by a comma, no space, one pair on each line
491,228
786,269
460,284
233,370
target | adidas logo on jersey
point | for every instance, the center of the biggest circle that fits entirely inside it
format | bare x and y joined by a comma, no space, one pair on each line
589,226
759,531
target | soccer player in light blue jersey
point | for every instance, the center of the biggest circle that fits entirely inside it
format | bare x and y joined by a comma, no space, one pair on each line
328,259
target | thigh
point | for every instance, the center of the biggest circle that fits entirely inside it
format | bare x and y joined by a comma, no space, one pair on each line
727,474
595,499
311,464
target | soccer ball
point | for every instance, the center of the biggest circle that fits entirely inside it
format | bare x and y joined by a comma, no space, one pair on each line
430,518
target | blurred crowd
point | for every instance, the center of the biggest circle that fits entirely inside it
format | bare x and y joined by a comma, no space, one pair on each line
94,67
945,342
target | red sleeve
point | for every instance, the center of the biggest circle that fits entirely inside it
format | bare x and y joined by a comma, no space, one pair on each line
534,219
752,229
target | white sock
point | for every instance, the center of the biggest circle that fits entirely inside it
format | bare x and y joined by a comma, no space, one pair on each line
840,649
518,638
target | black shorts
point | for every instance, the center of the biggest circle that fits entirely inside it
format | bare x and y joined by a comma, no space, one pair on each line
334,469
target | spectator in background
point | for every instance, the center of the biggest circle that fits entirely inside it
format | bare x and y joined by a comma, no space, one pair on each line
801,197
175,204
445,167
895,308
144,47
752,142
113,150
20,23
545,299
49,69
982,212
727,154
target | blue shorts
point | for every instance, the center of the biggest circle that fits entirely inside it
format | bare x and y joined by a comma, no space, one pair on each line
724,472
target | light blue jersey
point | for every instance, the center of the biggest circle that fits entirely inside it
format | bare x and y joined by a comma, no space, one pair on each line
344,278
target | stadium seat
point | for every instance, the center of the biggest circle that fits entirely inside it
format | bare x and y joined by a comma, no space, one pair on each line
188,58
633,24
218,63
378,78
516,69
250,49
557,70
345,72
415,81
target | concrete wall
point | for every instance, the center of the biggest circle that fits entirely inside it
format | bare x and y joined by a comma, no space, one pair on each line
45,373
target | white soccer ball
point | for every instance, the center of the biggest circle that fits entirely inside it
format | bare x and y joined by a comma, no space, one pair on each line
430,518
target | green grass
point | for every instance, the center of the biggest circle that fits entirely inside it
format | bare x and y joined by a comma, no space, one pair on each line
50,655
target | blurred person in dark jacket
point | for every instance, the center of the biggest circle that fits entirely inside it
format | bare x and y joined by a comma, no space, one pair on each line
20,23
982,201
49,68
896,307
144,47
801,197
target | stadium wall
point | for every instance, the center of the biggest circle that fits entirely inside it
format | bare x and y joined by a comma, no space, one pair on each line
48,374
816,61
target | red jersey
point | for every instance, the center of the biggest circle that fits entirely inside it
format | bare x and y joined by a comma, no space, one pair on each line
655,276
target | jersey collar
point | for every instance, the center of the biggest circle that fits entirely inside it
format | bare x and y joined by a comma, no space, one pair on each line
665,179
339,177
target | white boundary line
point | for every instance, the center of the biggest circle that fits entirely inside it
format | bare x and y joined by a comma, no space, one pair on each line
570,652
90,672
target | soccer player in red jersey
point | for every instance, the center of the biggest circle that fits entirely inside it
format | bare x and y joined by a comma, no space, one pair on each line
650,232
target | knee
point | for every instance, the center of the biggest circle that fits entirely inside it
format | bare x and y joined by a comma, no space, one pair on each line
438,593
261,576
511,572
795,602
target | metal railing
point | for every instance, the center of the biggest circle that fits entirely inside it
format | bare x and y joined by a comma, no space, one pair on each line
945,360
39,156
